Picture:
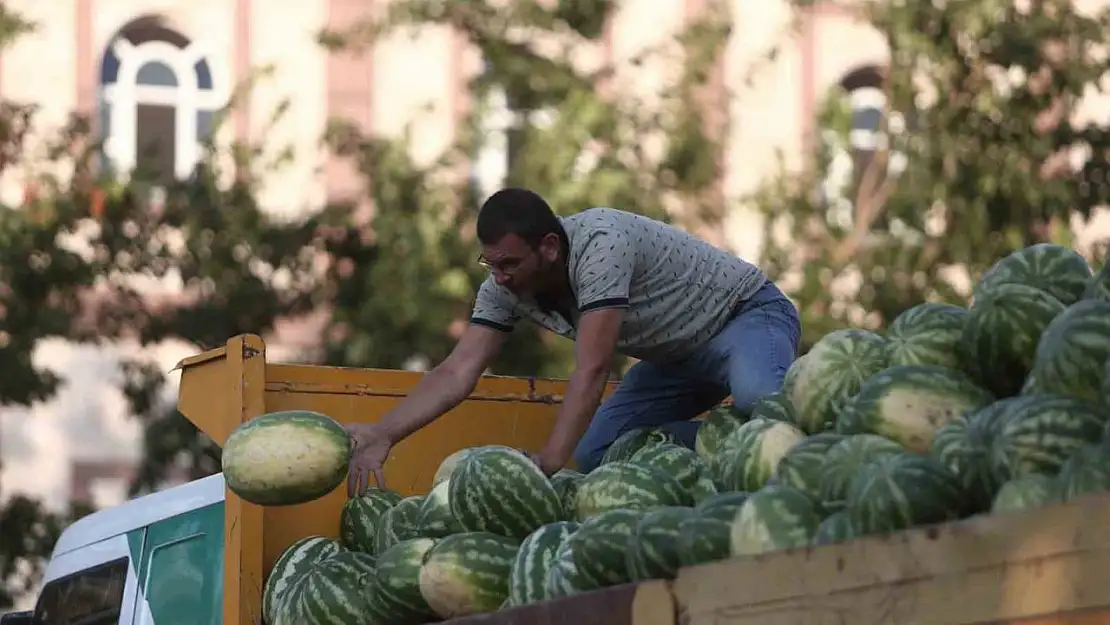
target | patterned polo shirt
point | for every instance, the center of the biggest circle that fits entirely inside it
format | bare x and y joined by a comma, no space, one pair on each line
679,290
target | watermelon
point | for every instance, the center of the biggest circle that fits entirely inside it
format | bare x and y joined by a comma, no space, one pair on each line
1106,385
653,549
334,591
563,578
714,428
500,490
533,562
897,491
398,523
396,588
775,407
627,485
705,536
467,573
290,567
360,516
681,462
835,528
775,517
909,403
565,483
447,467
1057,270
831,373
1039,432
1086,471
1025,493
1098,288
435,519
286,458
927,334
1001,335
802,466
749,456
843,463
1072,353
631,441
963,447
599,547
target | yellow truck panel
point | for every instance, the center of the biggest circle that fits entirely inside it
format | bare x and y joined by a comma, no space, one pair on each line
1041,567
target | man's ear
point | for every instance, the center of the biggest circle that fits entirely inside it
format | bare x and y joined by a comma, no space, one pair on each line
549,246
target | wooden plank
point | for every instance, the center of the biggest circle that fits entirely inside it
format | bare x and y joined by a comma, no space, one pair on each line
991,569
609,606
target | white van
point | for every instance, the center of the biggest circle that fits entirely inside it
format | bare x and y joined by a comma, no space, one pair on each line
155,560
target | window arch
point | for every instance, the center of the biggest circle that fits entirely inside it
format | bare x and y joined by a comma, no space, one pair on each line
158,100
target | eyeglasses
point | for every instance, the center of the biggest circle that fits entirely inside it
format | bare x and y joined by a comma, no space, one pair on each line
506,267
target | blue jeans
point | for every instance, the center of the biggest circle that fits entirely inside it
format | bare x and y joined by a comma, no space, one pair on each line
747,358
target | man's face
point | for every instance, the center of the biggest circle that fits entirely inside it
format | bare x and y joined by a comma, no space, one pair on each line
520,268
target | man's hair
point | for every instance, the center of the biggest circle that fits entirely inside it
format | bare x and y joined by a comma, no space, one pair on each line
520,212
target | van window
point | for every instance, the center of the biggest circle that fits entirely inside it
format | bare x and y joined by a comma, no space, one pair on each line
90,597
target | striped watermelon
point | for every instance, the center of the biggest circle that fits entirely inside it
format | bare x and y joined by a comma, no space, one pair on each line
775,517
626,485
564,579
1054,269
897,491
831,373
717,425
401,522
290,567
684,464
845,460
653,551
835,528
447,467
467,573
334,592
631,441
964,448
1072,353
1087,471
1025,493
500,490
435,519
565,482
395,591
749,456
1001,335
1039,432
909,403
360,516
599,546
705,536
776,407
802,466
927,334
1099,286
1106,385
286,458
533,562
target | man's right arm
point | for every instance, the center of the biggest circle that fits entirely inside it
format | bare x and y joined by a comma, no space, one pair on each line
445,386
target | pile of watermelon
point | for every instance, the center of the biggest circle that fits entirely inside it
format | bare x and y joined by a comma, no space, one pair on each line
953,412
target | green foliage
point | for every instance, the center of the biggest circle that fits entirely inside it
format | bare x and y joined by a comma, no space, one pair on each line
986,93
570,140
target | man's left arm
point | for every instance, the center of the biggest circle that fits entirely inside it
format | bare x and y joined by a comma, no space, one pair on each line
603,276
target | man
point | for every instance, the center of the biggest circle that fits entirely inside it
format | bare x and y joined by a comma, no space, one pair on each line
702,322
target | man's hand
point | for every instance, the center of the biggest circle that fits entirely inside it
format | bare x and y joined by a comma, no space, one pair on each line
548,465
370,448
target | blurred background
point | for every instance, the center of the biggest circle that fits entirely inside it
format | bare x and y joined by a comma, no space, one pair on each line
176,172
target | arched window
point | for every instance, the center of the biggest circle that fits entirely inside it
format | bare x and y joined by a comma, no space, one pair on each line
157,100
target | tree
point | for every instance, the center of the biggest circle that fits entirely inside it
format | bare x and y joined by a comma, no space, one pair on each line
574,142
974,160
